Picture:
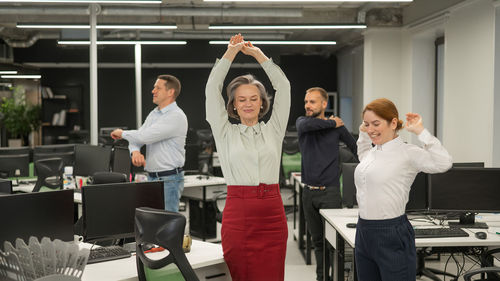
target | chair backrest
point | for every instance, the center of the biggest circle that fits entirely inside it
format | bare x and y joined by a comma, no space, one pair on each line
47,168
218,198
165,229
291,144
107,177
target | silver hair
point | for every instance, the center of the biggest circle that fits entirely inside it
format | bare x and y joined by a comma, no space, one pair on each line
248,79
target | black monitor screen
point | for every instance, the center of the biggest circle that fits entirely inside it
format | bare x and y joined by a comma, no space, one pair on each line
90,159
417,199
465,189
468,164
121,160
109,209
14,162
39,214
64,151
5,187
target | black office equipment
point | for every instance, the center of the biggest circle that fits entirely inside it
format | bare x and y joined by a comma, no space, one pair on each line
465,190
37,214
441,232
165,229
122,162
14,162
468,165
90,159
417,199
50,173
64,151
107,253
348,186
5,187
108,209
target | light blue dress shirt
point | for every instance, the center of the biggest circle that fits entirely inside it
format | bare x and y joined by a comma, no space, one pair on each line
164,134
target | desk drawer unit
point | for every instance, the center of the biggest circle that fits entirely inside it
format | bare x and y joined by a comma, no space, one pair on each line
331,234
196,192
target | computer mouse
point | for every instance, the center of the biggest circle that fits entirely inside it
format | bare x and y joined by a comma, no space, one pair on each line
481,235
351,225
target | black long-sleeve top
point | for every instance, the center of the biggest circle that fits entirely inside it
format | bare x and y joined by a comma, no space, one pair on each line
319,147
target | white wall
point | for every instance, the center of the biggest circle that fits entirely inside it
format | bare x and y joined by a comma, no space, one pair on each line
468,83
496,118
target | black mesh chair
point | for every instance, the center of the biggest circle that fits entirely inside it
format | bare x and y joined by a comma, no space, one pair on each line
166,229
49,173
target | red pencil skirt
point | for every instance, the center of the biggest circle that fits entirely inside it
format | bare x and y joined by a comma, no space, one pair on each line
254,233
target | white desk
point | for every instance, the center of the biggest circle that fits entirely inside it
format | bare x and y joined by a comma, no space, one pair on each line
336,233
205,258
305,244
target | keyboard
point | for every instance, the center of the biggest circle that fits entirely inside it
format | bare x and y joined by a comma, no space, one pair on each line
107,253
440,232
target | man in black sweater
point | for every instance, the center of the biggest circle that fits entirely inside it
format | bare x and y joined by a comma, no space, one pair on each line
319,139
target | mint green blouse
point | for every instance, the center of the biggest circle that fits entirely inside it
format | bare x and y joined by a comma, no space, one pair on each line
248,155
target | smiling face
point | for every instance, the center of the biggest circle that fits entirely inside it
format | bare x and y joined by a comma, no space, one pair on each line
247,102
314,104
379,129
161,95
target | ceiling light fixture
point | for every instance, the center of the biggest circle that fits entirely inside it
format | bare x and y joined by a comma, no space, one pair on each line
86,1
22,76
242,27
123,42
99,26
8,71
308,1
280,42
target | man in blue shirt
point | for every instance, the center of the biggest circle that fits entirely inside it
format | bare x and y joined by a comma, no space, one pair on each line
164,134
319,139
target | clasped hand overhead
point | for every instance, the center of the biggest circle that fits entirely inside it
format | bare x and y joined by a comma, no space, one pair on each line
237,44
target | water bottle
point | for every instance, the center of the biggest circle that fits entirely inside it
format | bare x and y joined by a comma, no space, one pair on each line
68,181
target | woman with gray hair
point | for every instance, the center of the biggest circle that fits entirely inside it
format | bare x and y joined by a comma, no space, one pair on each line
254,228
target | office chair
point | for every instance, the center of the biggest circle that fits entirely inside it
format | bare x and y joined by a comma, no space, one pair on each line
218,197
489,270
290,162
165,229
107,177
49,174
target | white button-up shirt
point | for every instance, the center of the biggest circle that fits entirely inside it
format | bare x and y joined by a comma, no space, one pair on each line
386,172
248,155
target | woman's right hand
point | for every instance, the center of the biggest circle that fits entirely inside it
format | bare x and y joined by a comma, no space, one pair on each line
362,127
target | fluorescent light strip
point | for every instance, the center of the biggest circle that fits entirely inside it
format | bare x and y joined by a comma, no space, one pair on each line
240,27
85,1
8,71
280,42
123,42
99,26
308,1
22,76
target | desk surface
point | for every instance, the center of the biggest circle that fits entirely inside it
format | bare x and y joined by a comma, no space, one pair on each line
203,254
338,218
198,180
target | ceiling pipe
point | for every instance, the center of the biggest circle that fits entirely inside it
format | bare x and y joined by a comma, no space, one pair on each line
193,35
30,41
151,12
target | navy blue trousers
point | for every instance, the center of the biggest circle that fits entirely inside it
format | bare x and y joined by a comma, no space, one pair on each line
385,250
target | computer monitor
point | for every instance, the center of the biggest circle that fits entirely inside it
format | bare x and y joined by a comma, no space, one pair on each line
90,159
191,164
14,162
417,199
465,190
348,186
39,214
109,209
121,161
468,164
64,151
5,187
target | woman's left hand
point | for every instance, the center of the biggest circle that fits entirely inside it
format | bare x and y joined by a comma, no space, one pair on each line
414,123
250,50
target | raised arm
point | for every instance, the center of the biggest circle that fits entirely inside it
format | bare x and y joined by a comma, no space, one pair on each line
281,106
214,105
433,157
364,142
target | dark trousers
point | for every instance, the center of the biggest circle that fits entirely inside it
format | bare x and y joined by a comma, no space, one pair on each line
313,201
385,250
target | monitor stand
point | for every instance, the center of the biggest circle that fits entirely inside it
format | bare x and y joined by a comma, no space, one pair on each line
467,220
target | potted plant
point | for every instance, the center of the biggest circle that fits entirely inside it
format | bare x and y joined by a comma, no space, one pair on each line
18,118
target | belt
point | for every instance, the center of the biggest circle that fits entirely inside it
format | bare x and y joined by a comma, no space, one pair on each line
165,173
249,191
316,187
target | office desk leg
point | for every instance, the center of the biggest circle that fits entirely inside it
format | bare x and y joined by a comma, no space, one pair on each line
302,223
203,214
294,207
339,256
